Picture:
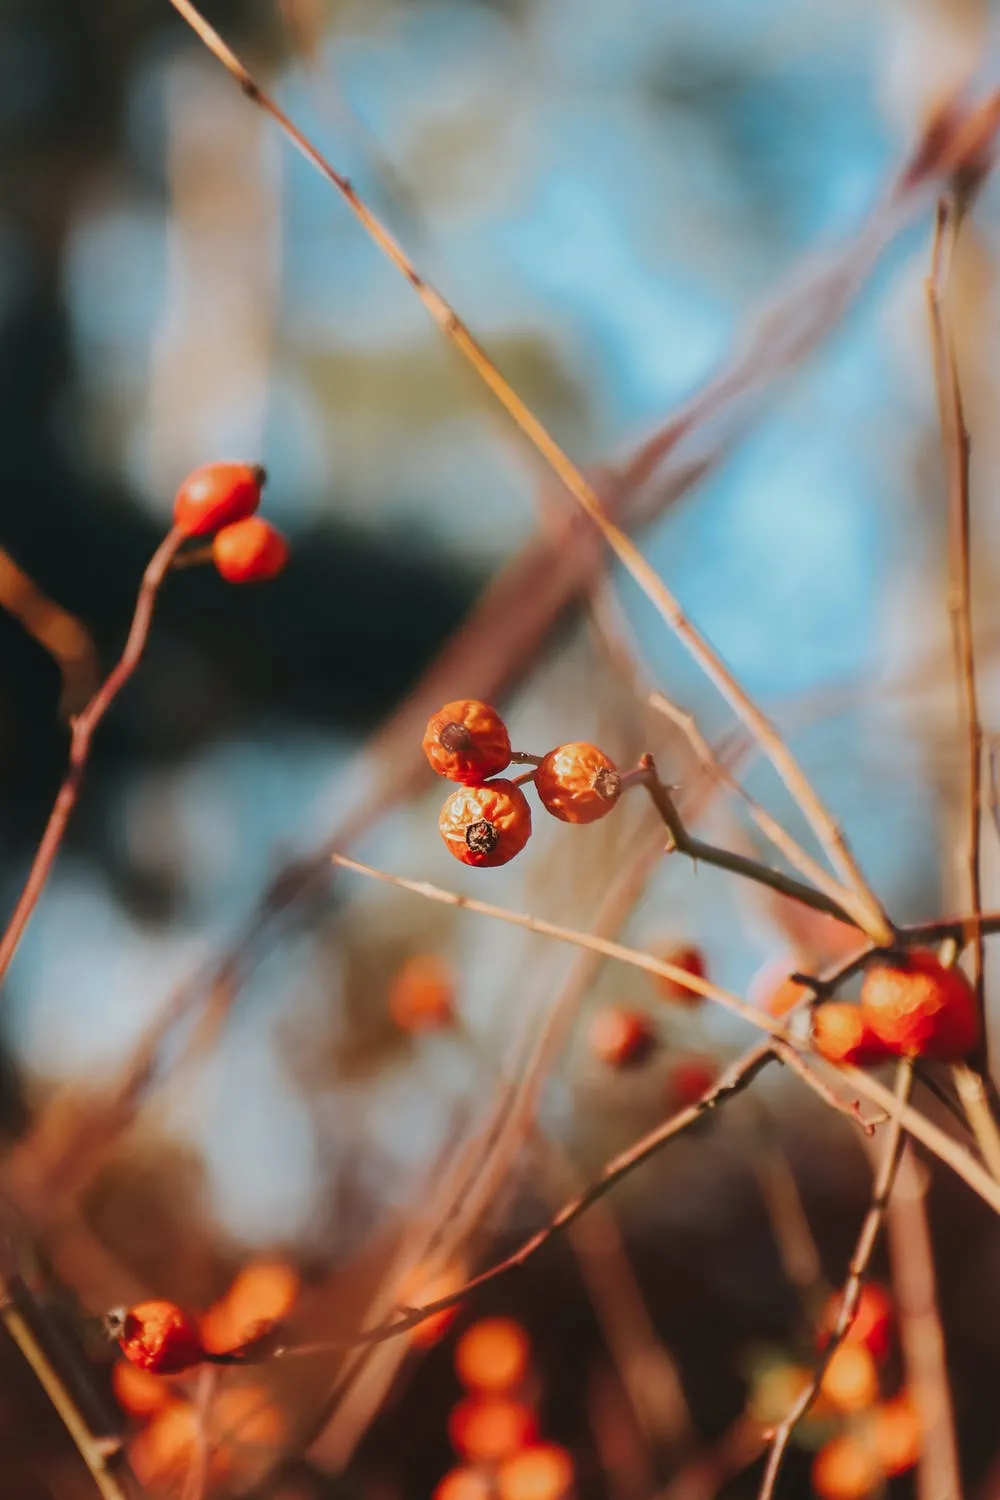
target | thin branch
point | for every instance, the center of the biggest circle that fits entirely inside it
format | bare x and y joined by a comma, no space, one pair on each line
955,437
728,859
94,1454
859,899
83,732
922,1129
851,1296
976,1104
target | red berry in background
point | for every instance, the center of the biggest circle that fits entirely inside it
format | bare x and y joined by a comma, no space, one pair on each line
216,495
687,956
467,741
577,783
689,1078
158,1337
841,1034
422,994
464,1484
918,1008
845,1468
897,1434
492,1355
619,1037
872,1324
485,1429
250,551
486,825
542,1471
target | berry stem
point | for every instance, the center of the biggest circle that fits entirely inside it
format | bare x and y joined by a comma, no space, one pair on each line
84,726
192,559
524,758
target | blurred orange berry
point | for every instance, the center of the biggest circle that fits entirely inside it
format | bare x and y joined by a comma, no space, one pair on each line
492,1355
841,1034
486,825
689,1078
260,1296
543,1471
845,1469
464,1484
421,1287
158,1336
685,956
871,1326
163,1452
577,783
619,1037
850,1380
216,495
245,1417
485,1429
422,994
467,741
897,1434
137,1391
250,551
918,1008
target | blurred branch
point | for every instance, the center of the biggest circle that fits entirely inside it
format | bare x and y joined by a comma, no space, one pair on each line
62,635
83,732
851,1296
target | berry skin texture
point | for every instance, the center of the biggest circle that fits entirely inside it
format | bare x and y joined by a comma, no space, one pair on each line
467,741
492,1355
577,783
871,1327
620,1038
845,1469
161,1338
422,994
216,495
250,551
486,825
686,956
918,1008
841,1034
543,1471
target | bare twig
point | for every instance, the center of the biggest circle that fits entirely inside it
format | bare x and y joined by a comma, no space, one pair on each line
83,732
56,629
851,1295
976,1104
955,437
858,897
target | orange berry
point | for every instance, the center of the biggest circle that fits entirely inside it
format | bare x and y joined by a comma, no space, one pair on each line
216,495
578,783
158,1337
250,551
871,1326
485,1429
138,1392
918,1008
467,741
162,1453
841,1034
543,1471
421,1287
492,1355
689,1078
464,1484
850,1380
897,1434
683,956
244,1417
261,1294
421,994
620,1037
845,1469
486,825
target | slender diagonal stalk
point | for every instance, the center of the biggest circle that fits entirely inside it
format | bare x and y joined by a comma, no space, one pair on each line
84,727
858,896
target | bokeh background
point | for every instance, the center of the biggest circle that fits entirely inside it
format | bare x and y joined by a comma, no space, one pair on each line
607,193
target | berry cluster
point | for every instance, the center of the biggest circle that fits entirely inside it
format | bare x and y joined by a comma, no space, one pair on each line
911,1006
494,1427
219,500
487,821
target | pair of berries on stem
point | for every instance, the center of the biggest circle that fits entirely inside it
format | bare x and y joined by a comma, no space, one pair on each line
220,500
487,821
912,1005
